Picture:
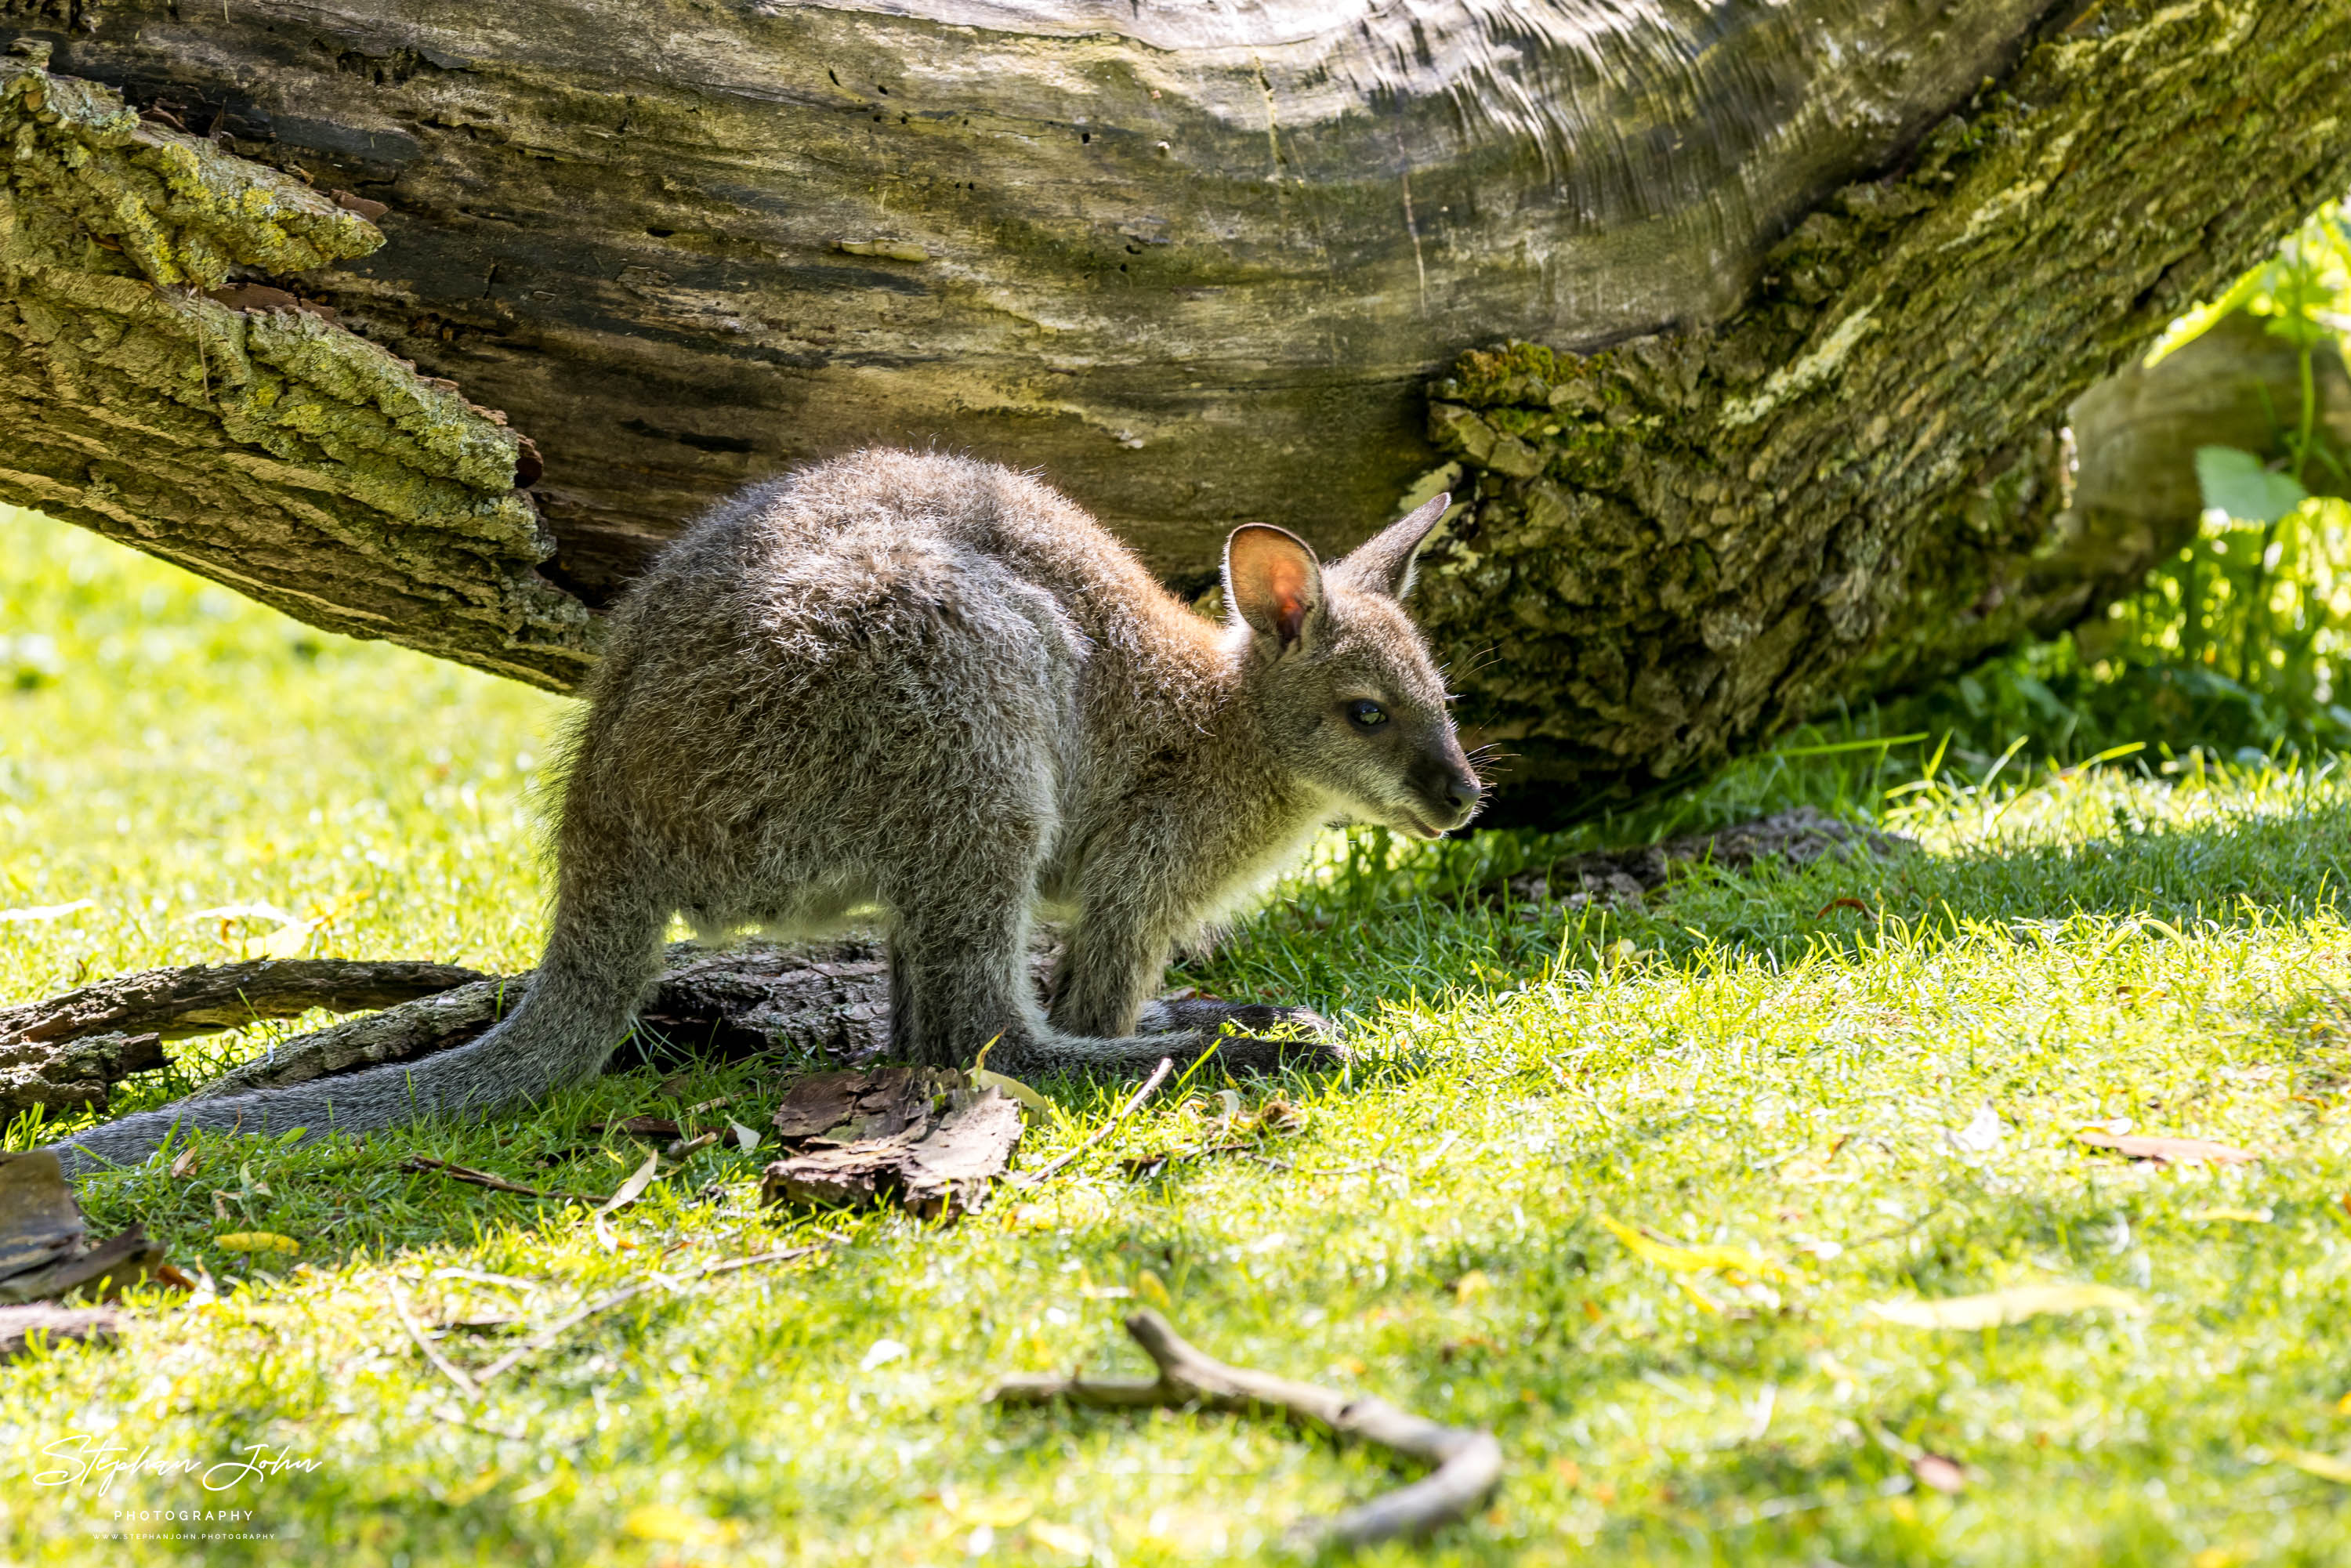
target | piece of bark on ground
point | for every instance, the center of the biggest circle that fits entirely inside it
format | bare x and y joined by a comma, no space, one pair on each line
2167,1150
1468,1464
69,1050
811,1001
21,1325
923,1136
831,999
45,1250
1797,836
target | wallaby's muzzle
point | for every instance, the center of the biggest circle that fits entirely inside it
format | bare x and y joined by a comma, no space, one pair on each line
1448,790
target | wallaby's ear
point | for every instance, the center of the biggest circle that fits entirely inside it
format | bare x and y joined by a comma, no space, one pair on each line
1382,563
1273,583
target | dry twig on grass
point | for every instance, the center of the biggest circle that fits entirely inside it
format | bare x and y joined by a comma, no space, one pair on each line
1150,1086
1468,1464
424,1164
472,1383
441,1364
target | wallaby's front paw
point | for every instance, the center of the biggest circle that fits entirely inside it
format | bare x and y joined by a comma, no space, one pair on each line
1208,1017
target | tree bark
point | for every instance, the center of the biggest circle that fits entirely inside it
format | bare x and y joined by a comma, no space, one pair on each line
829,1000
1822,281
71,1050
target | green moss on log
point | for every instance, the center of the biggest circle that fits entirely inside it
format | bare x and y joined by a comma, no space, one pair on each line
1672,547
232,438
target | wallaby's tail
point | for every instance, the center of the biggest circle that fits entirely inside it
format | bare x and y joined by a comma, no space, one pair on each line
604,950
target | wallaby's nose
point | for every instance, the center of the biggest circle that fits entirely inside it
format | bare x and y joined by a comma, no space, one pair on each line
1459,792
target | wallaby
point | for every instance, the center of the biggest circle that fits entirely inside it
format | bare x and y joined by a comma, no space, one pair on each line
935,688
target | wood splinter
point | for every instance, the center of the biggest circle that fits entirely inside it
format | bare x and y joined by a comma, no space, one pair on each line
1468,1464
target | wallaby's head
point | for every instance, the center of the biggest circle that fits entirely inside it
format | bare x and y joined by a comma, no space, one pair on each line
1340,678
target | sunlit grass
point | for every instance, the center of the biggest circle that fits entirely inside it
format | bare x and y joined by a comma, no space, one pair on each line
1746,1061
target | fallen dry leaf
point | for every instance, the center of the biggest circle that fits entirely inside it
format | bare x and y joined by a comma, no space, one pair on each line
666,1521
629,1191
2013,1305
258,1242
1690,1260
1946,1476
625,1194
186,1166
1152,1291
1279,1115
2325,1466
287,942
1059,1537
2165,1150
1010,1087
1982,1133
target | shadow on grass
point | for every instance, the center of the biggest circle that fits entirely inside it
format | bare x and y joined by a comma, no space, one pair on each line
1365,938
1409,936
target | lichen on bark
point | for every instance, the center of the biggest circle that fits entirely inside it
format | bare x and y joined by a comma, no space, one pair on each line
1673,547
269,449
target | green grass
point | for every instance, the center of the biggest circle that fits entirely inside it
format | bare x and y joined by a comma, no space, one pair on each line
1748,1063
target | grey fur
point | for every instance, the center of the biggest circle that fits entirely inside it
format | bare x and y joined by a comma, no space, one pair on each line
935,687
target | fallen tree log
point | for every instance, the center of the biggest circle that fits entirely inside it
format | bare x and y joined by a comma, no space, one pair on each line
68,1049
829,1001
1816,284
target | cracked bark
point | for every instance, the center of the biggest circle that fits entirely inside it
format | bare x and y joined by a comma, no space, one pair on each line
1820,299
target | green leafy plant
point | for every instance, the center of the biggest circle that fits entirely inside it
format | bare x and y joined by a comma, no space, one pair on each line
2243,642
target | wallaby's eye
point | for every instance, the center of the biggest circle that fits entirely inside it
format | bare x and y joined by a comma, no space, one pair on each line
1367,714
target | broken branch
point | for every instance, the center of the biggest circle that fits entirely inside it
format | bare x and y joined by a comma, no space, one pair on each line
446,1367
547,1337
1150,1086
424,1164
1468,1464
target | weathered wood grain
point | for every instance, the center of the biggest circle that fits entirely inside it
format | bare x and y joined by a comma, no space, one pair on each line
1826,277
